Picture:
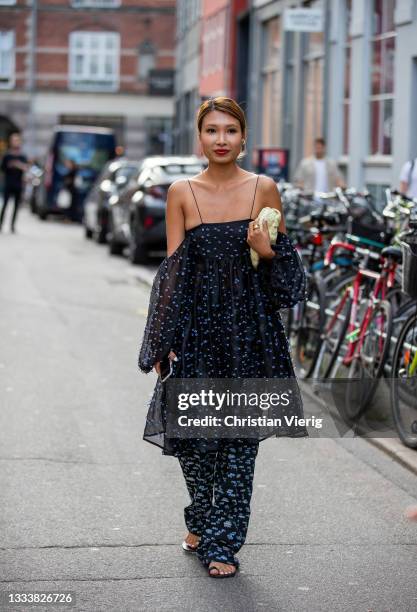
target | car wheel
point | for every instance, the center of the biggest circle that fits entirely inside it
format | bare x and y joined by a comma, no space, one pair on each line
88,233
138,252
115,248
101,235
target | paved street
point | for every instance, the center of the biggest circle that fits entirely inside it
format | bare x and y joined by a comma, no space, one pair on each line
87,506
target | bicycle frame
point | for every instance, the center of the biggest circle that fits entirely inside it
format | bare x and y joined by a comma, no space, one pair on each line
384,280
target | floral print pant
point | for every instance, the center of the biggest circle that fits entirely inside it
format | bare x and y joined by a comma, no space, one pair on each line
220,486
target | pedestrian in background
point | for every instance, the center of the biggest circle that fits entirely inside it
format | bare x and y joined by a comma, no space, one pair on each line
318,173
408,179
13,166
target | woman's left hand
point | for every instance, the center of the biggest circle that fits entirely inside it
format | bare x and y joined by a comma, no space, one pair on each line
258,239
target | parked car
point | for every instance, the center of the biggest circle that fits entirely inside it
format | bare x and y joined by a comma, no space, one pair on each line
137,216
76,156
112,180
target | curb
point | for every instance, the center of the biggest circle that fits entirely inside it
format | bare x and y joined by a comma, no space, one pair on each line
392,447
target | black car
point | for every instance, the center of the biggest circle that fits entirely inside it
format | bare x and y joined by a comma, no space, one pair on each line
112,180
137,219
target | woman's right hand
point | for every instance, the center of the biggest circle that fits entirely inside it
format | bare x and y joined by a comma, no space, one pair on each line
157,365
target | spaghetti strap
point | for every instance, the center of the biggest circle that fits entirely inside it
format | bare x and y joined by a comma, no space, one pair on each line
195,201
250,216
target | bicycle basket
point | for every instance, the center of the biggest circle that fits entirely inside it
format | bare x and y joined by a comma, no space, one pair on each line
409,267
368,224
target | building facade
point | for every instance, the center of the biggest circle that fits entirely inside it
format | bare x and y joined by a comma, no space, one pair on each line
187,96
354,83
212,60
90,62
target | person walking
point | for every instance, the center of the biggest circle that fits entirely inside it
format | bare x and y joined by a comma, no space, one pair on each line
214,316
408,179
318,173
13,166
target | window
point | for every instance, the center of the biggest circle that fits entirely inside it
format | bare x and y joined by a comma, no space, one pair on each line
214,49
313,90
94,61
382,77
158,137
346,94
7,2
146,59
271,82
95,3
7,59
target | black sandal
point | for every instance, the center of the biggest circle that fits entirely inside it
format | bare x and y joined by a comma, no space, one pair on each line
219,575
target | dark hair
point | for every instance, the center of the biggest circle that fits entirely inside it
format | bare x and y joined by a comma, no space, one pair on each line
224,105
320,141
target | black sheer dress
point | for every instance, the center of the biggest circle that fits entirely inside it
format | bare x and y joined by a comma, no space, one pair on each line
219,315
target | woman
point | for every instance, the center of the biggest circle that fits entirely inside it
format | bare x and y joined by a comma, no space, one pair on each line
215,316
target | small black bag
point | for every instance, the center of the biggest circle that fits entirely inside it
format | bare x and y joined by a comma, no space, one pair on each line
283,277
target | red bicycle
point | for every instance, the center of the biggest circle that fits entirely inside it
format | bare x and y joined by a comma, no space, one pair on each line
357,335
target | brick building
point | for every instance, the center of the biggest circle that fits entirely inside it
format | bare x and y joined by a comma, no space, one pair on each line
94,62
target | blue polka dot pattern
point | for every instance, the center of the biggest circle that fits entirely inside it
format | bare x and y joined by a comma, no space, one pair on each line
219,315
220,488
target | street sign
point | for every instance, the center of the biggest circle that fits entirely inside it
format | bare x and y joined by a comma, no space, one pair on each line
161,82
303,20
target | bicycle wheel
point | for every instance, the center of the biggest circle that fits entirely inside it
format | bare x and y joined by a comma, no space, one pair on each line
399,316
404,383
367,367
333,336
310,323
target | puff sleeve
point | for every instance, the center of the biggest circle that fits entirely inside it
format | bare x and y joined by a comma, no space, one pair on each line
283,277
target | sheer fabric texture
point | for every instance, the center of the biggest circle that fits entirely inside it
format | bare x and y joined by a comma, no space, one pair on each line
220,316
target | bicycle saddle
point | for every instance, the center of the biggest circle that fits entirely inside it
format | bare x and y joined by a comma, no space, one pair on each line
392,251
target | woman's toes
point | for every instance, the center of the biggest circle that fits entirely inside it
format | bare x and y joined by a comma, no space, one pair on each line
192,540
223,568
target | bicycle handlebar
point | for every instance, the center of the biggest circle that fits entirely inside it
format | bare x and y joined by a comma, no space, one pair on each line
328,258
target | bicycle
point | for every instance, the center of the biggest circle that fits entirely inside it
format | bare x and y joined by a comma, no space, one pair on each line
357,336
404,364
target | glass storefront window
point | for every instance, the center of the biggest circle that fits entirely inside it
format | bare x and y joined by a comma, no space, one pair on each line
271,82
313,90
382,77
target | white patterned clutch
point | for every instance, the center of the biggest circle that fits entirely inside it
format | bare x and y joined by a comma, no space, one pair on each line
273,218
